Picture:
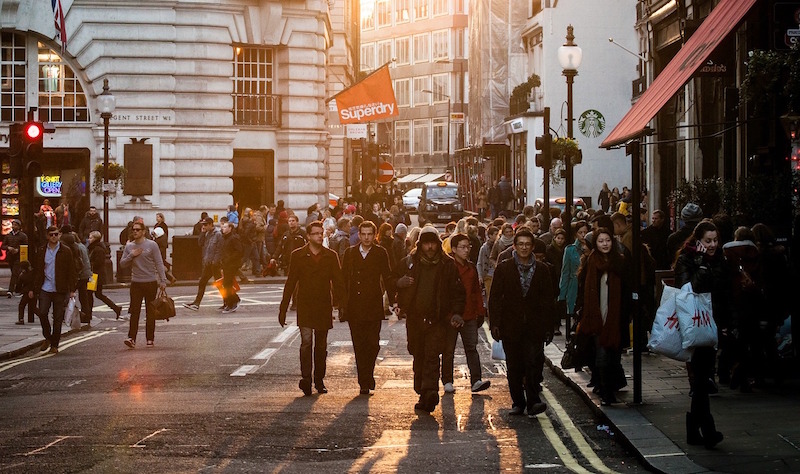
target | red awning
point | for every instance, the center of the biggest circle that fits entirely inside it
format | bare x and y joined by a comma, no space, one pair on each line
715,28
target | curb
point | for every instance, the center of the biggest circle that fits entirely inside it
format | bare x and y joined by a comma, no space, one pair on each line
653,448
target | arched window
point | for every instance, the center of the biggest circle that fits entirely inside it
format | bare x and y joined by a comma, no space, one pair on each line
60,96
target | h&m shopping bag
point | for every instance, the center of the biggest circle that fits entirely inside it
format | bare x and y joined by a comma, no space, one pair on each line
665,335
695,318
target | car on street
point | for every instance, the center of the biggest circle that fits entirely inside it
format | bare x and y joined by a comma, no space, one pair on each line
441,202
561,202
411,199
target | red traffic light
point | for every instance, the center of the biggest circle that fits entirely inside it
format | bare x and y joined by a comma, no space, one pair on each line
33,131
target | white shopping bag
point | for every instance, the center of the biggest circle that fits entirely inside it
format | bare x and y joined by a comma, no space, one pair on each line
497,351
665,335
72,316
695,318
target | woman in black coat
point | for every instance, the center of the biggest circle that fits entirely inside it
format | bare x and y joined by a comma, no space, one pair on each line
97,257
702,264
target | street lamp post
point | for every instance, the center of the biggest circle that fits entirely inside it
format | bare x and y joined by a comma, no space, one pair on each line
106,103
449,110
569,56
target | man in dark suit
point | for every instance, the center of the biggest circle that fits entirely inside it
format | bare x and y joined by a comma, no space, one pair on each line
366,272
56,275
315,271
522,316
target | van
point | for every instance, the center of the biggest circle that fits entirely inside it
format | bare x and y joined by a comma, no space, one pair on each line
440,201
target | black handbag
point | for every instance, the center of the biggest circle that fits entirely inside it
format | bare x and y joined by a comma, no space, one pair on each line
162,307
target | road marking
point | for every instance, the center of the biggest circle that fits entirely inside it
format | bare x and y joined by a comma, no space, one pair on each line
244,370
574,433
139,444
265,354
40,355
286,334
382,342
60,439
561,449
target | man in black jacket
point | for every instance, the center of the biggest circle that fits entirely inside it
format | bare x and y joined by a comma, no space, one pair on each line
432,296
366,272
230,261
57,276
315,271
522,316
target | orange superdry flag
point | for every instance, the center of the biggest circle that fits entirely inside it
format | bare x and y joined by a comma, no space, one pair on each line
371,99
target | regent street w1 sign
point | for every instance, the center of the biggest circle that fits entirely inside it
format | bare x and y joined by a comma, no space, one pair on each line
369,100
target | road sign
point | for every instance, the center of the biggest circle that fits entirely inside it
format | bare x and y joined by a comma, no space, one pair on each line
385,173
457,117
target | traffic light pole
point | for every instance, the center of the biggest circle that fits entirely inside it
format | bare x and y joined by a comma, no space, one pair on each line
546,170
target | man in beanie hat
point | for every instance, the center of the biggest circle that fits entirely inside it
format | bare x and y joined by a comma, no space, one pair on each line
691,214
431,294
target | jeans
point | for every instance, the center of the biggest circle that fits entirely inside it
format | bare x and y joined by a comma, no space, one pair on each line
366,337
59,303
209,271
469,339
142,291
320,350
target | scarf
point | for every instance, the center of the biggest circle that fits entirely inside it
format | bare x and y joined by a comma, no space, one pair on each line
433,261
525,272
592,322
506,242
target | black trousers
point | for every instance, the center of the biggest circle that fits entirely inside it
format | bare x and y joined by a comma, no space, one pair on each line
30,303
102,297
426,343
209,271
366,337
145,291
524,364
313,347
702,369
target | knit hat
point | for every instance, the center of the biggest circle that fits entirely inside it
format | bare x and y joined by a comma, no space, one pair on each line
429,234
350,209
539,246
401,229
692,213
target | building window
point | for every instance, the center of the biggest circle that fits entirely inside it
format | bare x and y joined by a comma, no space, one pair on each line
402,11
368,57
12,77
422,137
440,46
384,52
422,84
402,50
439,135
384,11
422,50
61,96
460,43
367,16
420,9
402,138
440,7
254,102
441,88
459,7
402,92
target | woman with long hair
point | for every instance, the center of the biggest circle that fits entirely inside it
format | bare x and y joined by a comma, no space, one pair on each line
573,254
504,241
603,301
702,264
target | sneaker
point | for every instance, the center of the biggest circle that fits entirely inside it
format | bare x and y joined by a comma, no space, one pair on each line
448,388
150,344
130,343
480,385
221,308
232,309
191,306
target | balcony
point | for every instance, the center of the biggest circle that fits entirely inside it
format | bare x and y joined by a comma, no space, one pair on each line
257,110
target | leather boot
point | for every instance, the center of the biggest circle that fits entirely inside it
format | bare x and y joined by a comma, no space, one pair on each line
693,436
711,437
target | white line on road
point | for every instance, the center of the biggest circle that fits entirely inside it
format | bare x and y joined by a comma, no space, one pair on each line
243,370
139,444
285,334
265,354
60,439
69,343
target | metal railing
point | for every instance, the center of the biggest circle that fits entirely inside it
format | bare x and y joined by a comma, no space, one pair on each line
257,109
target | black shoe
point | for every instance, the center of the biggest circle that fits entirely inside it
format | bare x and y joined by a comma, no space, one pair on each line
712,439
536,408
713,389
516,411
20,323
693,436
608,401
305,386
426,409
322,389
363,391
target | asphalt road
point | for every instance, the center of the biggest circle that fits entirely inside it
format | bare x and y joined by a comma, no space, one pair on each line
218,393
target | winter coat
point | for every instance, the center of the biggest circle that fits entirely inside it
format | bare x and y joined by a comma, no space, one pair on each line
211,245
88,224
568,286
339,242
14,241
97,256
85,271
66,274
485,264
450,293
25,282
708,275
519,317
364,282
319,286
289,242
232,252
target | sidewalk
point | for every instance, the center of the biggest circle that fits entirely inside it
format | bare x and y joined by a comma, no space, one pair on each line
762,429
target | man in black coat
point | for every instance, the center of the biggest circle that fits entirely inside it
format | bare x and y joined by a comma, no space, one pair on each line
230,261
315,271
431,294
56,275
521,314
366,272
655,236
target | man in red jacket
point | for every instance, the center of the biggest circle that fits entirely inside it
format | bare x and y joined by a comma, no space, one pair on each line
466,324
314,270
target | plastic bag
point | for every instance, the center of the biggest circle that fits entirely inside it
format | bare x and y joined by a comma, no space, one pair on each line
497,351
695,318
665,335
72,316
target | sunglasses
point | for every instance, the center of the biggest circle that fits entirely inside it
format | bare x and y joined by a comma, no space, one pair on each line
53,234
